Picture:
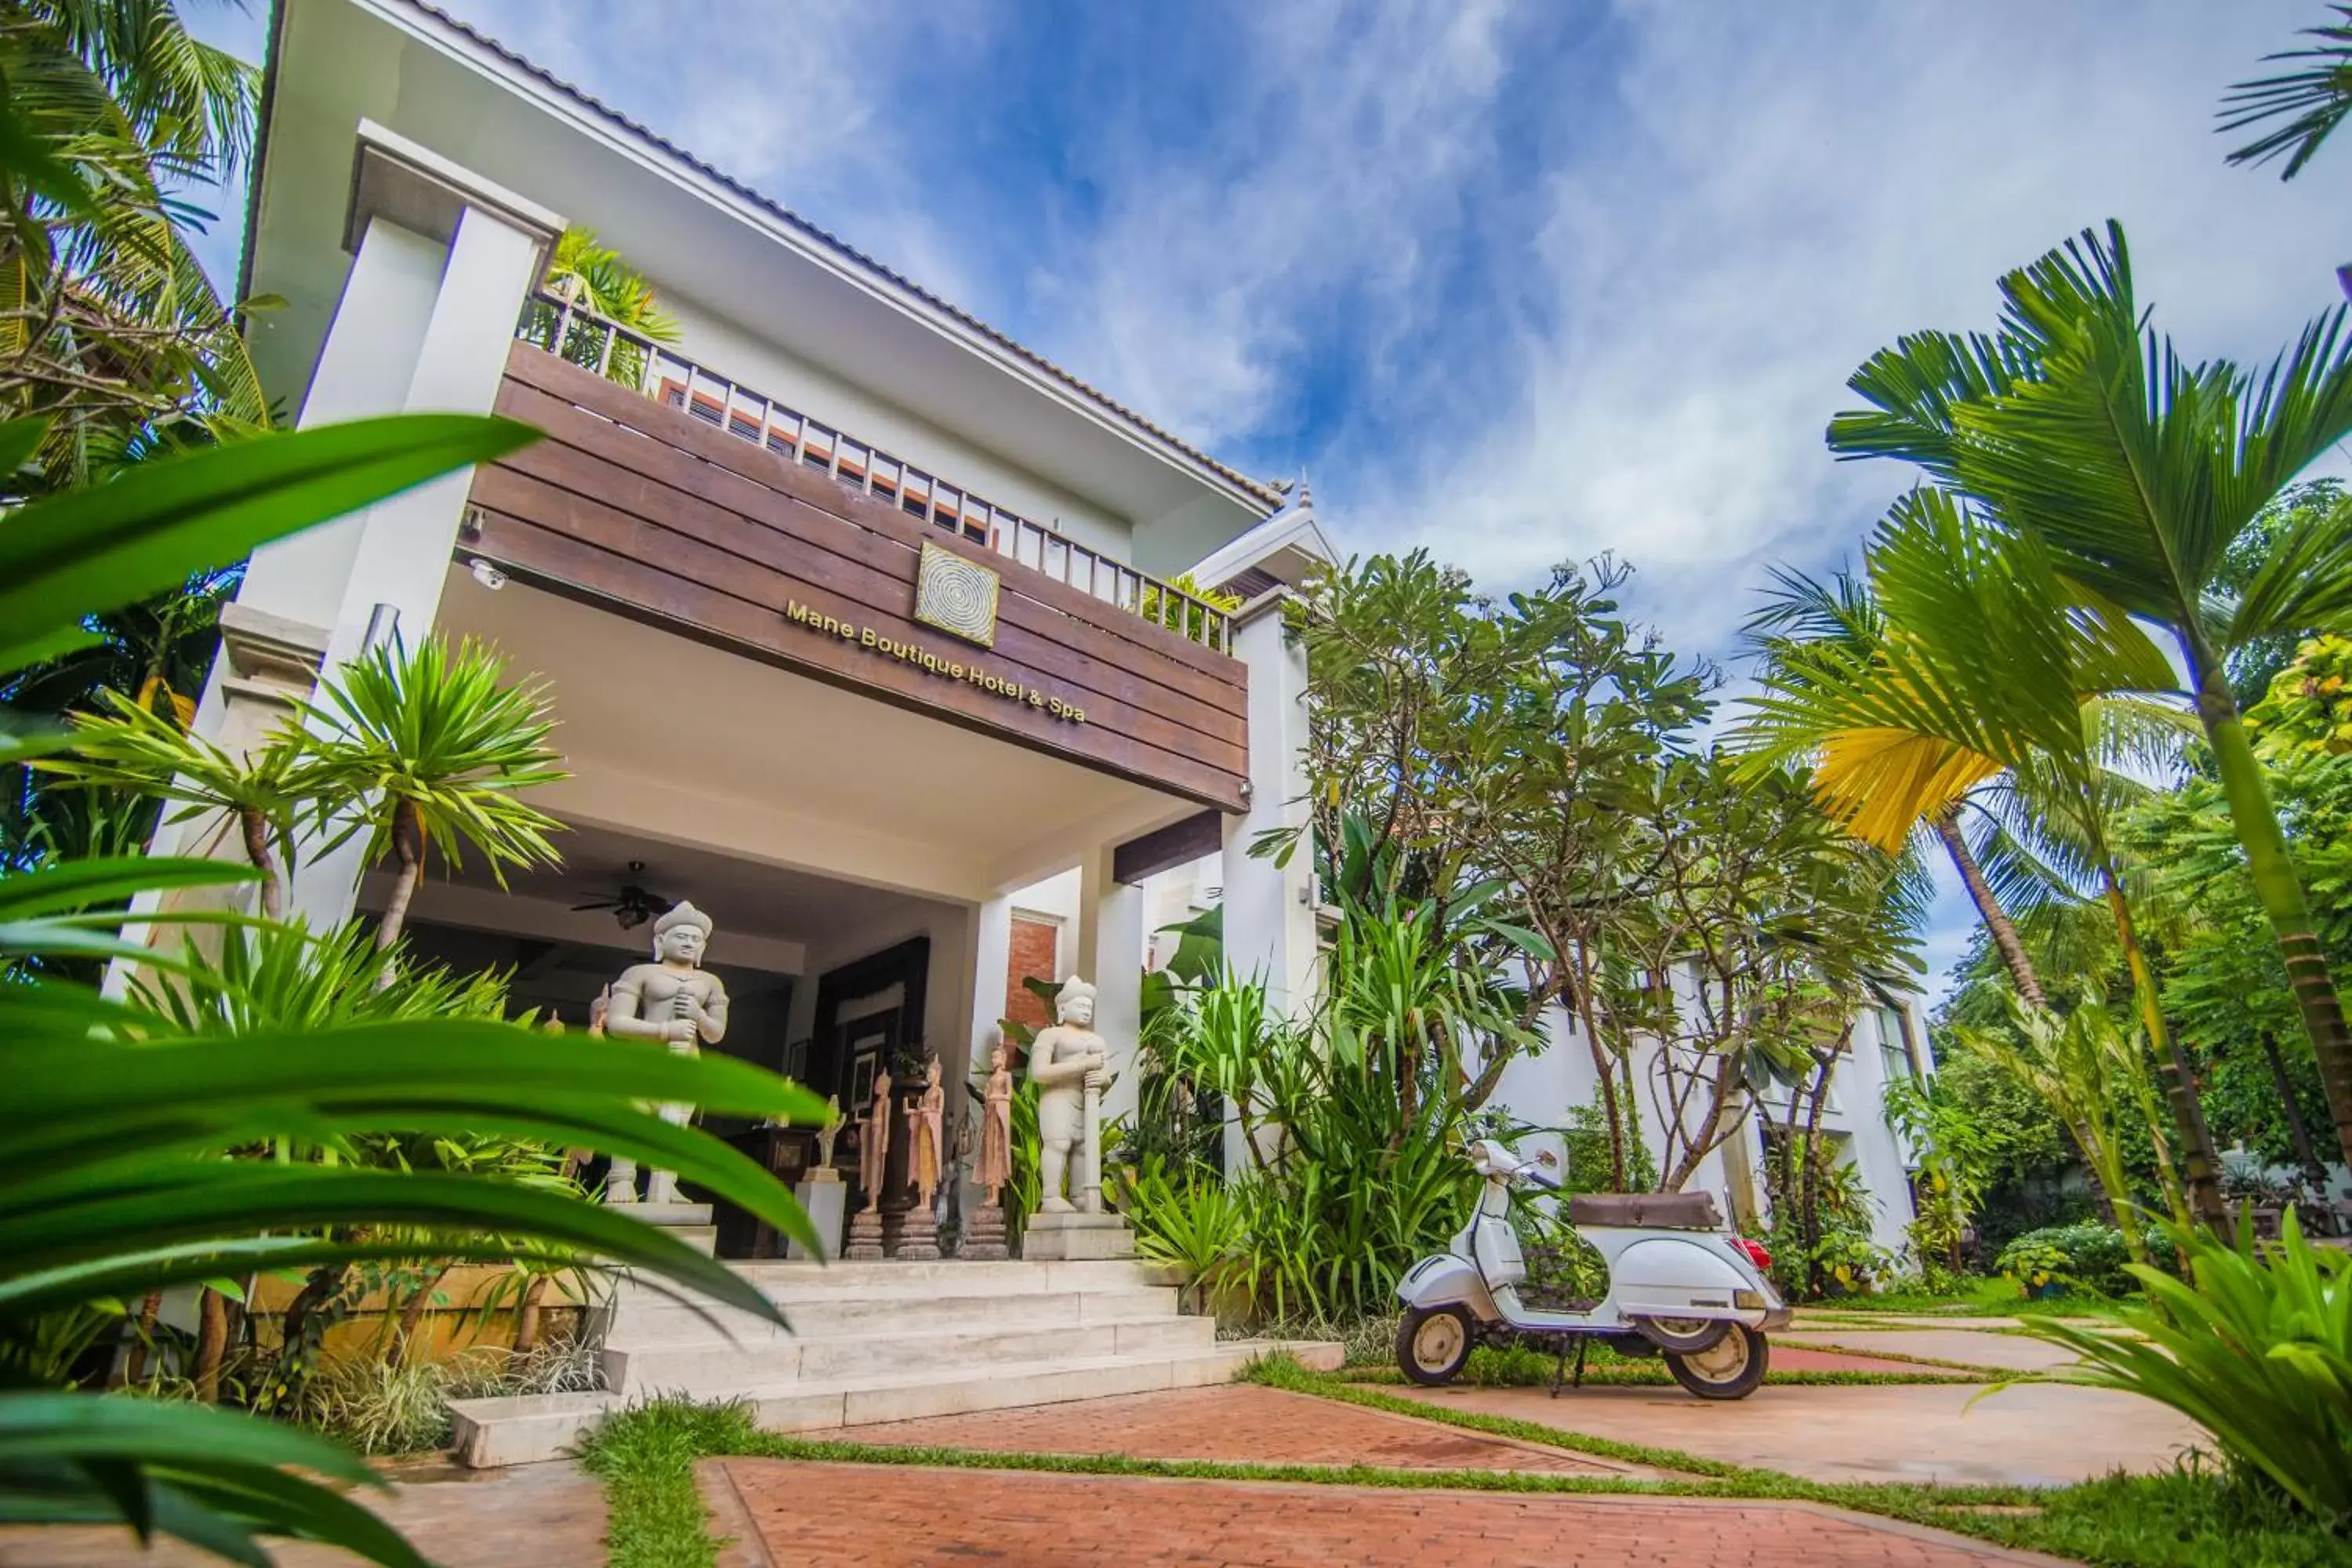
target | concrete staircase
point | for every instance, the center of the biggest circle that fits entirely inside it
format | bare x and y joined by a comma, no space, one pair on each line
884,1341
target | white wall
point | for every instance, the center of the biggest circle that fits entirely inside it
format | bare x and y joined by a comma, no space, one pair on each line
1541,1089
760,364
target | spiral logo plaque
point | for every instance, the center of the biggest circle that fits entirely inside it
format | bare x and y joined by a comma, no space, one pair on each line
956,595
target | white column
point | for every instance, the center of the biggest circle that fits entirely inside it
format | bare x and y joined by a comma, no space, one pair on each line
405,544
1269,910
1111,954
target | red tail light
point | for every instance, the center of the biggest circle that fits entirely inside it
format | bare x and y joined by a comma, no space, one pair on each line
1756,1253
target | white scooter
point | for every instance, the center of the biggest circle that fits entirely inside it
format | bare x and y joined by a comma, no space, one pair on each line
1680,1284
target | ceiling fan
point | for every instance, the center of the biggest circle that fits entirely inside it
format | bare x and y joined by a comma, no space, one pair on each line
632,903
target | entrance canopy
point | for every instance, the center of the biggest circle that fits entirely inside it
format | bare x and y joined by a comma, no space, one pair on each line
674,740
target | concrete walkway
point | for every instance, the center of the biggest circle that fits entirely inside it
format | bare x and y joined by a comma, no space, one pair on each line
1990,1350
2035,1434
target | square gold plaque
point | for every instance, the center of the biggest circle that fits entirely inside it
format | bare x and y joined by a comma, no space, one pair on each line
956,595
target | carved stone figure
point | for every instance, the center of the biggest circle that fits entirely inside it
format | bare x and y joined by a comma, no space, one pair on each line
1067,1066
995,1166
671,1000
829,1134
927,1126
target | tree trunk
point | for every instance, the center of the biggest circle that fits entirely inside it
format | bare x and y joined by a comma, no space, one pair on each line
2314,1170
134,1361
2201,1174
527,1314
1996,918
408,849
412,1315
2281,891
211,1345
257,849
1618,1173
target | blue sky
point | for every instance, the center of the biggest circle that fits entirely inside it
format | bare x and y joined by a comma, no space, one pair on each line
1520,282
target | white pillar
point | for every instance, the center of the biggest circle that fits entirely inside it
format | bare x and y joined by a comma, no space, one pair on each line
405,544
1269,910
1111,954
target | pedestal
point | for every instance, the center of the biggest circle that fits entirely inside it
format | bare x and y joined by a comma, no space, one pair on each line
1075,1237
983,1233
864,1237
918,1237
824,1196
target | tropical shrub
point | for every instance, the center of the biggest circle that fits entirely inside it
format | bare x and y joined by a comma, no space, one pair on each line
111,1177
2257,1351
2086,1256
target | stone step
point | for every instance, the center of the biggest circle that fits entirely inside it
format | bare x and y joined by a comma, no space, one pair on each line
787,1282
708,1370
660,1325
526,1428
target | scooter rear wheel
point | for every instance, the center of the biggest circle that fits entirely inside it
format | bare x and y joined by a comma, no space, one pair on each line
1729,1369
1433,1344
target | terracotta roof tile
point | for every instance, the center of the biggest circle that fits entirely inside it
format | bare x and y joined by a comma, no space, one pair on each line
1256,487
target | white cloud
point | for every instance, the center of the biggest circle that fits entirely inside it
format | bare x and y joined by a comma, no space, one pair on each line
1335,161
1775,193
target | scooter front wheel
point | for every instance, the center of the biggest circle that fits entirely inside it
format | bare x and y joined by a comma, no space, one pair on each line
1433,1344
1729,1369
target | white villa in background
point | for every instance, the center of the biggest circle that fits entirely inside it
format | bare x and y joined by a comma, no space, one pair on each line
894,811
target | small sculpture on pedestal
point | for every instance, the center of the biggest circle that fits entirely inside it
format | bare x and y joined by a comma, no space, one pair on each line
872,1170
821,1193
673,1001
984,1237
926,1125
829,1133
1068,1064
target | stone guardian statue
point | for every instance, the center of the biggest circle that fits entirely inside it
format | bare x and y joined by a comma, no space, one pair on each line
1066,1063
671,1000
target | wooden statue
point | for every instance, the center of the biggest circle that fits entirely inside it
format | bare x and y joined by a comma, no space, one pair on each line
874,1140
927,1126
996,1167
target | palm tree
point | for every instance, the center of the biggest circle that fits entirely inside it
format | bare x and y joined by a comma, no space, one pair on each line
113,332
1801,611
132,747
2313,99
439,746
1983,661
2135,471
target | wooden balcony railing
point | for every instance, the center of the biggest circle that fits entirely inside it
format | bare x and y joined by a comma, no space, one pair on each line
632,359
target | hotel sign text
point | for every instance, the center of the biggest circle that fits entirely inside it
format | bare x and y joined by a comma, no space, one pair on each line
930,663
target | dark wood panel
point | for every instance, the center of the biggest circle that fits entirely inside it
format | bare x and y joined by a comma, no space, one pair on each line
552,481
537,368
649,476
1178,844
846,590
628,585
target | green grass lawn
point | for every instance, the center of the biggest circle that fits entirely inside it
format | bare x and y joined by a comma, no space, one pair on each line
1983,1297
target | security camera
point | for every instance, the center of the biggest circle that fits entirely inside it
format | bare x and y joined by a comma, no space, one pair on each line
487,575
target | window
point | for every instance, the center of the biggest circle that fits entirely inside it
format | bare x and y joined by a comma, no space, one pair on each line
1894,1044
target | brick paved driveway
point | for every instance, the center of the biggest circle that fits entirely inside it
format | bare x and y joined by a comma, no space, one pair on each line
888,1516
1242,1422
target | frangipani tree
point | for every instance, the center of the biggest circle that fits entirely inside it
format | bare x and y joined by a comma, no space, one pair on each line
2134,470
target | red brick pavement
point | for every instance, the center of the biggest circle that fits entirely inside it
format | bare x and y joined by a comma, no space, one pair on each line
1241,1422
888,1516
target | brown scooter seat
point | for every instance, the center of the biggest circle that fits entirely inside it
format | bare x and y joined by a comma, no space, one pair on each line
1667,1211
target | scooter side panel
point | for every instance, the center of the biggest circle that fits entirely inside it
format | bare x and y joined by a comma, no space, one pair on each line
1447,1281
1671,1277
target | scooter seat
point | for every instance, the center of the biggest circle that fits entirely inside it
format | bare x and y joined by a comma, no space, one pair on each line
1666,1211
